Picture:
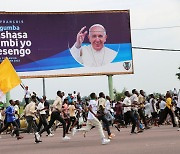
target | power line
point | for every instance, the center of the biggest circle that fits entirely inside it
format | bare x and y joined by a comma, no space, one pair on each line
156,28
145,48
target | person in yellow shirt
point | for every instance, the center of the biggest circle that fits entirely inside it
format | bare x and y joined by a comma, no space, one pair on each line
168,110
72,114
30,114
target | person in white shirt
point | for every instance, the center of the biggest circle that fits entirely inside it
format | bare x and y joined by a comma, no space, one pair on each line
135,101
74,96
63,96
141,101
95,54
147,109
102,114
153,109
175,93
27,95
17,114
108,110
55,115
42,117
162,104
92,120
128,113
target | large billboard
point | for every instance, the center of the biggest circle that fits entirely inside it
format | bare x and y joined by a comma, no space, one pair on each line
67,43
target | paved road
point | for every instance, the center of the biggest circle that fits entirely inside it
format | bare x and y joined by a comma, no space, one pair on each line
157,140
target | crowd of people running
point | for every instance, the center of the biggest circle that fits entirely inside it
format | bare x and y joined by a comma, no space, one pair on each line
135,109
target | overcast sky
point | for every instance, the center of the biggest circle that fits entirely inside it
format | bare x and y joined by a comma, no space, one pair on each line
154,71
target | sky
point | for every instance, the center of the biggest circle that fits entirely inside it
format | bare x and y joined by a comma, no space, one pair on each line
154,71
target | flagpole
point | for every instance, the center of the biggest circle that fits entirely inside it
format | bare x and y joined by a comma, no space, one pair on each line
7,98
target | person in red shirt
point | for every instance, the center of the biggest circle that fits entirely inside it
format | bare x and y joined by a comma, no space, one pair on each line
119,115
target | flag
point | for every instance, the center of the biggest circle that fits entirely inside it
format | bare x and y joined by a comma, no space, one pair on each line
8,76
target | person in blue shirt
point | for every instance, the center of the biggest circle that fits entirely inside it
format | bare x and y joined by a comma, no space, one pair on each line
10,114
69,97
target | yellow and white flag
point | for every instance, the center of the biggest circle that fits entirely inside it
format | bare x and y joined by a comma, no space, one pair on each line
8,77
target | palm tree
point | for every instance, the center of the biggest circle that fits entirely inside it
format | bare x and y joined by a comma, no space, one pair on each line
178,74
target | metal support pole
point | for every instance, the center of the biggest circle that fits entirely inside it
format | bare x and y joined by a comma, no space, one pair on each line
110,84
7,98
44,87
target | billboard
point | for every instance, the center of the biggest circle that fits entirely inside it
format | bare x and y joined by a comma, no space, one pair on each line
41,44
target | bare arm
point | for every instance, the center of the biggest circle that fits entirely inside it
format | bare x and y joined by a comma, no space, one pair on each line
80,37
76,49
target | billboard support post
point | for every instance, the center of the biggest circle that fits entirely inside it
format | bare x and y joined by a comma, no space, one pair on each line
7,98
44,87
110,85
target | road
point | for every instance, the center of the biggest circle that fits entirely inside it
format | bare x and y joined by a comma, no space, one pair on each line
157,140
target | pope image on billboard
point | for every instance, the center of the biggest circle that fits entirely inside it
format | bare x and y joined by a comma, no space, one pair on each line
95,54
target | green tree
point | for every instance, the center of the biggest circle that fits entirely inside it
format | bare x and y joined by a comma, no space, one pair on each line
119,95
1,105
51,101
178,74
